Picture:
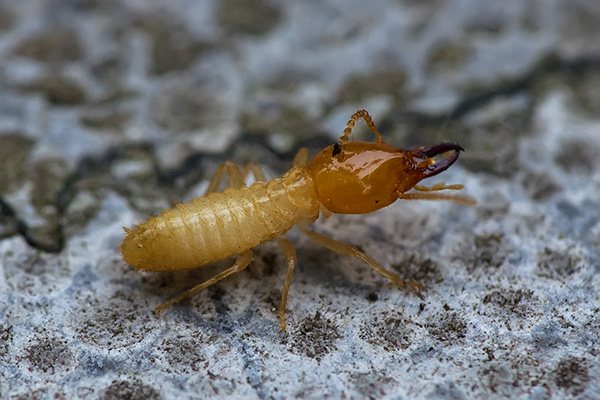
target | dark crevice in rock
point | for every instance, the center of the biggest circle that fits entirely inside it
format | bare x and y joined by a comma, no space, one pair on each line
190,165
552,64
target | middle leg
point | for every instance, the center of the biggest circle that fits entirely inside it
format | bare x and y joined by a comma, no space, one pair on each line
236,176
290,256
347,250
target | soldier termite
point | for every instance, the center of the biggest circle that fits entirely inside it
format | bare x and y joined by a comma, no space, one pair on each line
346,178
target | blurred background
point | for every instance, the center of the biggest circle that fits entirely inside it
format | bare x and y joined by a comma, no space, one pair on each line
111,111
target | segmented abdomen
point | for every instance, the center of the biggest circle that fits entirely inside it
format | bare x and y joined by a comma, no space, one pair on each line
219,225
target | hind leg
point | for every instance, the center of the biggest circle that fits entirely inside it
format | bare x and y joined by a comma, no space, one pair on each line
242,262
290,256
236,179
256,170
302,157
236,176
347,250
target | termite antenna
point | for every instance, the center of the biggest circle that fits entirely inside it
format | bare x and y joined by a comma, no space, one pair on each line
353,119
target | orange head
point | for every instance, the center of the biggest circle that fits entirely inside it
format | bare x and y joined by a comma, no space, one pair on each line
361,177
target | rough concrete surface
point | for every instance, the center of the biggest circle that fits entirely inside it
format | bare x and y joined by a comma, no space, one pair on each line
111,111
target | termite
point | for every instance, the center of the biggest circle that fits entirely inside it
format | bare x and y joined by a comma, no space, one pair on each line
344,178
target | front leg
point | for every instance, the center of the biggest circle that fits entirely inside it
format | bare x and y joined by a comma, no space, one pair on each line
290,256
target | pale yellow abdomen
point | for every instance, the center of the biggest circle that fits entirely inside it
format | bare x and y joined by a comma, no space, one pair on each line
220,225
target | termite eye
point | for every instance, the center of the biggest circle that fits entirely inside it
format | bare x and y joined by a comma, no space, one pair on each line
337,149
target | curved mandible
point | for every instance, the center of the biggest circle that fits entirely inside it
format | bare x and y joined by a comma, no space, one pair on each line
430,152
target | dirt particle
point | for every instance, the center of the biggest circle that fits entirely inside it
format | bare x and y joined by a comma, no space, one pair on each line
6,19
492,23
130,390
489,249
173,46
486,251
579,22
548,335
114,325
571,375
390,331
516,301
34,394
111,71
493,205
48,354
186,104
248,18
316,336
577,156
360,87
449,328
56,44
497,378
105,118
6,337
494,141
423,270
371,385
584,87
14,150
540,186
184,354
373,297
446,390
557,264
446,56
58,89
48,177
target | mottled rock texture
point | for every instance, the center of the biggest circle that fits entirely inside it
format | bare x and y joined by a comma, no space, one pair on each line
111,111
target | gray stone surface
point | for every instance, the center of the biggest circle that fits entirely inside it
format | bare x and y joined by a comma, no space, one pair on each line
110,111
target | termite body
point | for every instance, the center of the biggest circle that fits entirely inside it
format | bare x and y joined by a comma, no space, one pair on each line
219,225
346,177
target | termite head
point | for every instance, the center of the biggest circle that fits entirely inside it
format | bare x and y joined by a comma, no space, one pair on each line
361,177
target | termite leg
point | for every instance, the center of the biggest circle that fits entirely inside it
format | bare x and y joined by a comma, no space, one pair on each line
290,256
255,169
325,212
353,119
468,201
438,186
347,250
242,262
302,157
236,177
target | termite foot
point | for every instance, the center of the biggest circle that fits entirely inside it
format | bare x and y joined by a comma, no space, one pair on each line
416,286
159,310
